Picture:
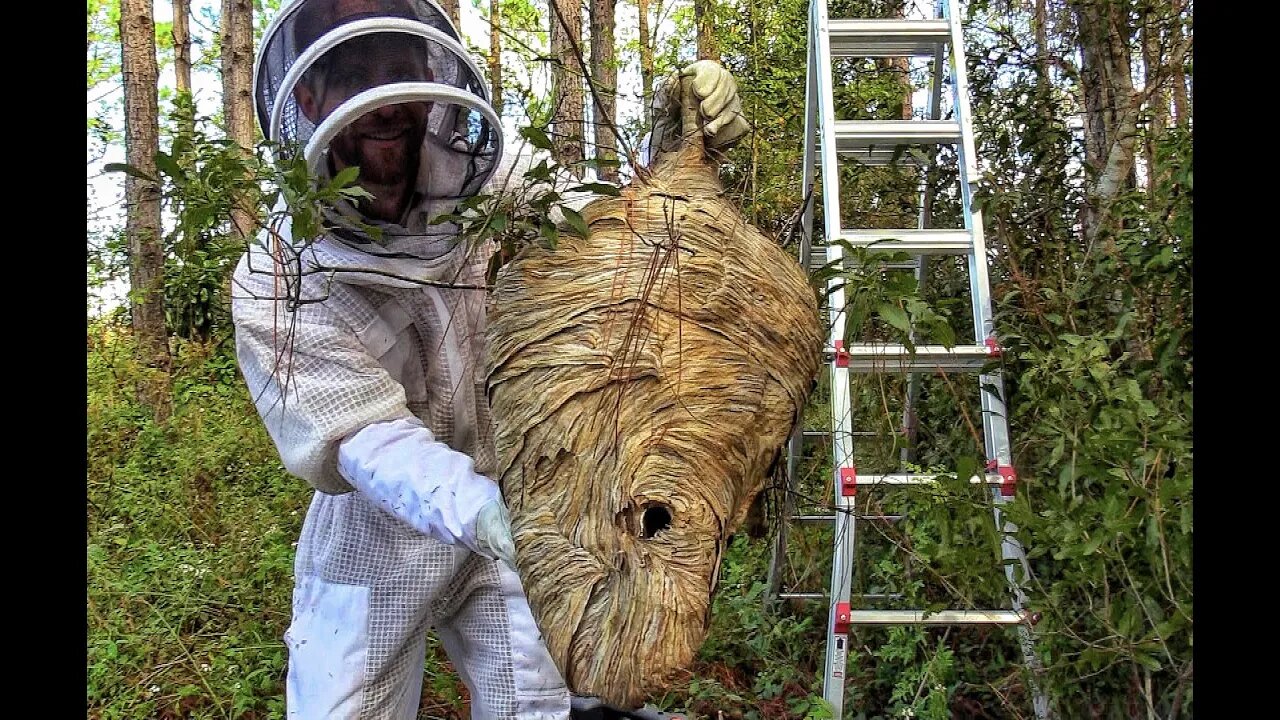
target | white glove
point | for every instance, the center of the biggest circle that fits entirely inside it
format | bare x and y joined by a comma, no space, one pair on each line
404,470
720,107
493,533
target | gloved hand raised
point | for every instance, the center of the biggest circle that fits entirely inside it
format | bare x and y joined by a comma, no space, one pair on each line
719,106
493,533
403,469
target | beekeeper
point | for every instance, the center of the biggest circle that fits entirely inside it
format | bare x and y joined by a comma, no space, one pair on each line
363,352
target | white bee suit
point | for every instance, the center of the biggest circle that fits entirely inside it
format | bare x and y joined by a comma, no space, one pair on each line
365,362
378,389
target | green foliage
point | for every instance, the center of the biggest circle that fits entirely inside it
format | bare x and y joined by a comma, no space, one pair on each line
1100,399
524,215
103,34
189,531
203,179
191,528
1109,406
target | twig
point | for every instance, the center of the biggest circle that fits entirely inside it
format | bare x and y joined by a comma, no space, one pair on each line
591,85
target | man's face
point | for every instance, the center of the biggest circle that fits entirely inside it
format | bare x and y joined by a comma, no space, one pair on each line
384,143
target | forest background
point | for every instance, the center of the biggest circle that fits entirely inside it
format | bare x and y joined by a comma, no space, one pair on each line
1083,115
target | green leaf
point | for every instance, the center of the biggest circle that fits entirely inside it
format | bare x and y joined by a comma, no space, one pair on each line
576,222
355,191
895,316
598,163
1091,546
597,188
944,334
128,170
167,165
1146,661
549,233
536,137
346,176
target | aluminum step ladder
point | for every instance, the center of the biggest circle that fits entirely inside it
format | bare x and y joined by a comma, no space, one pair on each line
878,143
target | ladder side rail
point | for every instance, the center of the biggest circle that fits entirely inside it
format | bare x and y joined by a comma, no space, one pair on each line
842,449
968,179
810,153
993,409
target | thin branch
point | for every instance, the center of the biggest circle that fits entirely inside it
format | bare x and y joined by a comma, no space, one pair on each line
591,85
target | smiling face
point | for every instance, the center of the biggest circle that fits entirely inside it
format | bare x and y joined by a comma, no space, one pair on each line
384,143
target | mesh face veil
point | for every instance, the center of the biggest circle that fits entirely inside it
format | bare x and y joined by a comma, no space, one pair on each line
384,85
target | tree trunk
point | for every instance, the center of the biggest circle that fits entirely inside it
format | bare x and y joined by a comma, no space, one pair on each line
1041,21
453,9
566,83
1110,103
495,54
704,13
237,93
646,53
142,198
604,76
182,45
1158,104
753,190
901,69
1181,79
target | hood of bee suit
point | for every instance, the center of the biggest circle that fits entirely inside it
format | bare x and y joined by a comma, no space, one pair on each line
387,86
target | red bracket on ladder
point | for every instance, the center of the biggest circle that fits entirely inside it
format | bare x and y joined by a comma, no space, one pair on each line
993,347
848,481
842,355
1008,478
842,622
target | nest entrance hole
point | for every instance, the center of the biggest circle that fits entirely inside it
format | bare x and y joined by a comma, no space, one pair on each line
645,521
654,520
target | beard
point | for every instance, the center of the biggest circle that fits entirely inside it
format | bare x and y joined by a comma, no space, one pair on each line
386,150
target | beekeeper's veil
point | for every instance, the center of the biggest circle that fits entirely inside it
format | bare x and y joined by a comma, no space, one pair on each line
325,64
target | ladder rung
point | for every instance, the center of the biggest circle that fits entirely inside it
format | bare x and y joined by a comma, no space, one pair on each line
828,433
887,38
942,617
832,518
823,596
818,258
853,136
813,518
915,242
927,358
878,157
920,479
